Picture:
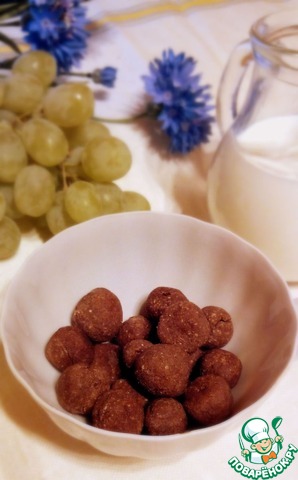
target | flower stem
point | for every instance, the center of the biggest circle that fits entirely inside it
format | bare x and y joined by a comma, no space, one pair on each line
8,41
78,74
13,10
13,23
122,120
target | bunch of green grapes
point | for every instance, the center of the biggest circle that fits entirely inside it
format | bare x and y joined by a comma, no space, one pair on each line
58,165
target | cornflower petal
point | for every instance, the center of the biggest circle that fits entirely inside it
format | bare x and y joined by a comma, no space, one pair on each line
106,76
59,27
181,102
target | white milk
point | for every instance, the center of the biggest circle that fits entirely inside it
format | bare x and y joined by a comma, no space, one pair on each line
253,189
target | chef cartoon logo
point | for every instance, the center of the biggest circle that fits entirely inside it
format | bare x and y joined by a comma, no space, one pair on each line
264,447
260,449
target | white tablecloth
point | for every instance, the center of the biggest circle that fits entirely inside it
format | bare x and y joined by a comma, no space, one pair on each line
127,35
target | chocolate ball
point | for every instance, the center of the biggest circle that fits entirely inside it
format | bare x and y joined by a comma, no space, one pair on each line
223,363
183,323
208,400
98,314
221,326
165,416
119,410
68,345
79,386
106,357
133,349
163,370
160,298
136,327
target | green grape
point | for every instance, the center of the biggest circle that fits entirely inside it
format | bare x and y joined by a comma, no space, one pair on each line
44,141
57,217
38,63
81,135
23,93
82,202
10,237
2,205
11,210
132,201
13,156
2,90
9,117
34,190
69,104
111,197
106,160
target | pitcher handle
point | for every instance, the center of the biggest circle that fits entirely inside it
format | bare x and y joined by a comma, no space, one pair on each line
230,83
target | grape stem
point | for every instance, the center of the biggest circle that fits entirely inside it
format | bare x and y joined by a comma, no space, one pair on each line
66,177
63,174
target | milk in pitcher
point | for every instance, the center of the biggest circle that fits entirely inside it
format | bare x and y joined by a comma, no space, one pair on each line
253,189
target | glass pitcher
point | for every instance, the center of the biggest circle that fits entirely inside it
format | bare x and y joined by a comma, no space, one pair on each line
253,180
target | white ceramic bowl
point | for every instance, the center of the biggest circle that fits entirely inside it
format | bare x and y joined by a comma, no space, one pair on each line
131,254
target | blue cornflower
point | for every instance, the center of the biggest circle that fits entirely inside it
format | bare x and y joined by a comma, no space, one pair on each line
59,27
106,76
179,102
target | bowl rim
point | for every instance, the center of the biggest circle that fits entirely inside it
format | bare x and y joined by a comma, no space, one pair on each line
143,438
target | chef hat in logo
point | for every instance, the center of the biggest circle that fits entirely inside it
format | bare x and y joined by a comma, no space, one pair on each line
255,430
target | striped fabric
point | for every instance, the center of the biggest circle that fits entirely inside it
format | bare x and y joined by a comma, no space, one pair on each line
148,9
137,12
